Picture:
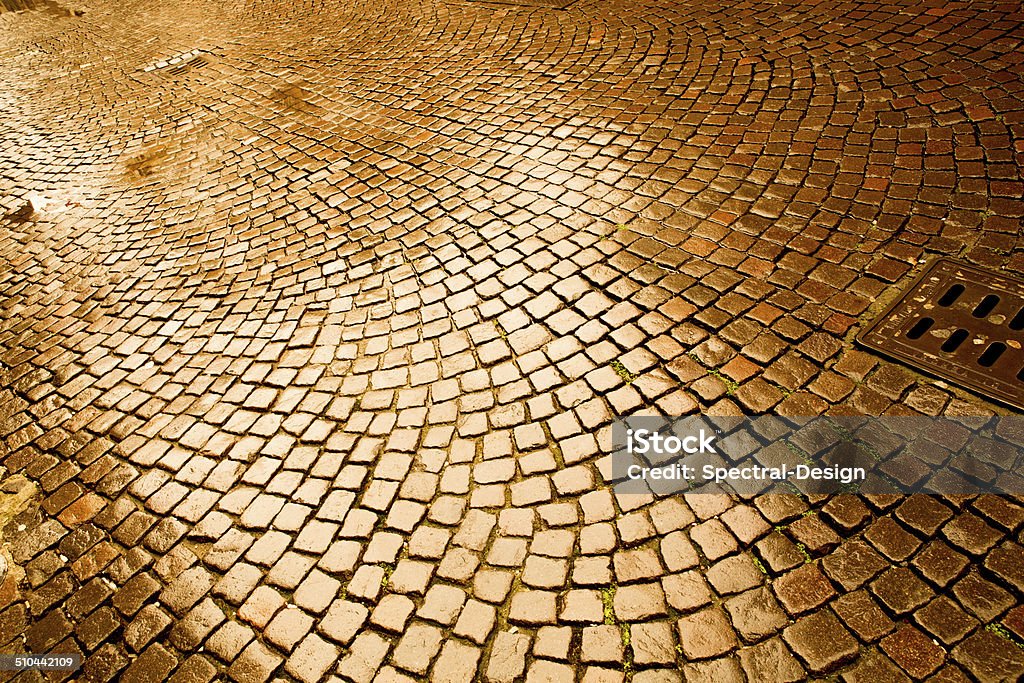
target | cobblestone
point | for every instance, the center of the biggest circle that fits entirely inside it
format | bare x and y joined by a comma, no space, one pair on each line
821,642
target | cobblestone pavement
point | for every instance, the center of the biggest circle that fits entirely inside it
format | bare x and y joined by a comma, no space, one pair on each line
311,345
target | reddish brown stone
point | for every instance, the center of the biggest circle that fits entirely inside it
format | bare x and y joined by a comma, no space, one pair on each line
821,642
913,651
803,589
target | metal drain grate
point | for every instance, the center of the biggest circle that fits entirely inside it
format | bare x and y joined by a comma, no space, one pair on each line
550,4
180,63
194,63
961,323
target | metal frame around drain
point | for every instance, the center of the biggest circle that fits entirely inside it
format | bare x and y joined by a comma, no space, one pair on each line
976,335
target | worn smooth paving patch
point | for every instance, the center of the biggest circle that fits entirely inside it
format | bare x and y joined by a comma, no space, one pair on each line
309,356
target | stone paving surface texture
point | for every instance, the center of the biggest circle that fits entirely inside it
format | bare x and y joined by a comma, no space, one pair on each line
310,347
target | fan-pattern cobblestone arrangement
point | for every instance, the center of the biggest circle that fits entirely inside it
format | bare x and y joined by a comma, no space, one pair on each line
314,317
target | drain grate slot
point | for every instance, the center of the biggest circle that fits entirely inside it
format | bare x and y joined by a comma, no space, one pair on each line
194,63
991,355
961,323
951,295
1018,321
